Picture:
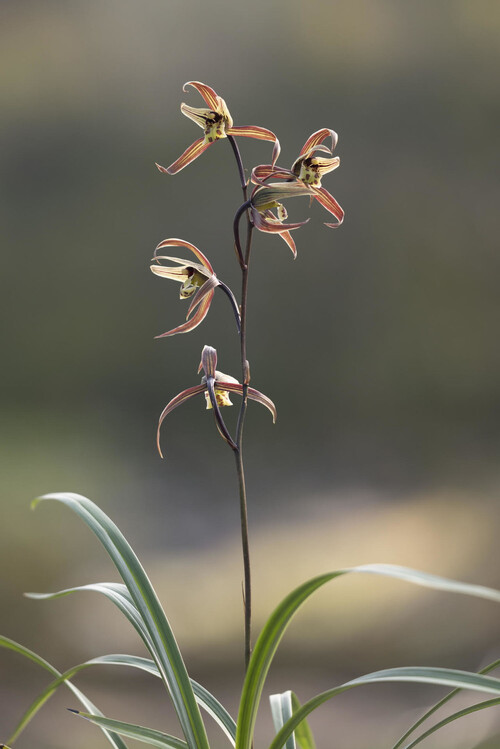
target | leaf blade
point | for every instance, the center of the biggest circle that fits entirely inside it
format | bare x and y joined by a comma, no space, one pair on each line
167,654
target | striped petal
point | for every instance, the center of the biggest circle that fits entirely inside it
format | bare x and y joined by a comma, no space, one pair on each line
189,155
209,95
317,138
177,401
202,292
174,242
253,394
208,361
196,319
287,237
274,226
268,171
197,115
331,205
175,274
260,133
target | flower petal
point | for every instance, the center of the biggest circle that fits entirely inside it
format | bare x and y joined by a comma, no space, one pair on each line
177,401
189,155
329,202
210,96
260,133
253,394
275,193
175,274
268,171
173,242
197,318
208,361
199,116
202,292
317,138
274,226
287,237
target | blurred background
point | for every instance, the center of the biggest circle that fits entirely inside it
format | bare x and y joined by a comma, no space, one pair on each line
379,345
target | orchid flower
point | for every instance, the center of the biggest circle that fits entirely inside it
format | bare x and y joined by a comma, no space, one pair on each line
216,386
217,123
270,196
308,169
198,281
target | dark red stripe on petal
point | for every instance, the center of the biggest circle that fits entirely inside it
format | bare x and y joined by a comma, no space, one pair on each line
189,155
209,95
331,205
174,242
317,138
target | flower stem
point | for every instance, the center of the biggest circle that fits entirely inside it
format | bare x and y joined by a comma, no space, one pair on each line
241,169
238,452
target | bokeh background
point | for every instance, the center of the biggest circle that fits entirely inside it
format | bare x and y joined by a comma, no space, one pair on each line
379,345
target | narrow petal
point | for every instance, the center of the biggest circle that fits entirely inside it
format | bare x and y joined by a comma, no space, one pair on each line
189,155
268,171
273,226
199,116
174,242
287,237
196,319
329,202
175,274
202,292
317,138
260,133
253,394
177,401
209,95
184,263
275,193
208,361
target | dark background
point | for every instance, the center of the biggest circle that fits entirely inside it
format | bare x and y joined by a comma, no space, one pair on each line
379,345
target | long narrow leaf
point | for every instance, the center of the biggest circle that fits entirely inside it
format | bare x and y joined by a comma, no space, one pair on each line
140,733
438,705
281,710
438,676
454,716
6,642
277,623
167,653
303,734
119,595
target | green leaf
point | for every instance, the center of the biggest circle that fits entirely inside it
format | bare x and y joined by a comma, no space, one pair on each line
303,733
281,710
119,595
145,735
441,676
438,705
455,716
283,706
6,642
279,620
166,652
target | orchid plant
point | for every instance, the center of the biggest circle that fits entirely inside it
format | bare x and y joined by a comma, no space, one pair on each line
135,597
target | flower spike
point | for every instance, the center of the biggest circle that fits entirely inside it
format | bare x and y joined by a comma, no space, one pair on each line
216,386
217,123
198,281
